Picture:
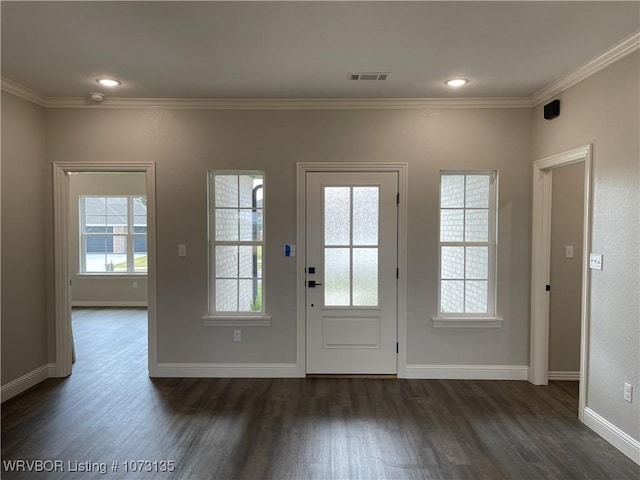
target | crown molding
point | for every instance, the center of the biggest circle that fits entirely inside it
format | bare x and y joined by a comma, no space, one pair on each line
625,47
23,92
290,104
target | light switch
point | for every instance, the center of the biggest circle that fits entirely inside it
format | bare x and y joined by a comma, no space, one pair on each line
568,251
595,261
182,250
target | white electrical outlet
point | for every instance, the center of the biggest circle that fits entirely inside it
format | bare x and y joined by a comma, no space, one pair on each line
237,336
182,250
568,251
135,284
628,392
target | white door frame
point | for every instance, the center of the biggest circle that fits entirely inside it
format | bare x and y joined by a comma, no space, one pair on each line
302,170
541,266
61,255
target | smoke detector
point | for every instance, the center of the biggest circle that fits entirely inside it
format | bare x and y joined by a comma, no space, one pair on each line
368,76
96,97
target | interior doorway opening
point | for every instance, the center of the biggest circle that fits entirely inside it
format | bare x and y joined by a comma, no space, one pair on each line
108,265
104,230
541,267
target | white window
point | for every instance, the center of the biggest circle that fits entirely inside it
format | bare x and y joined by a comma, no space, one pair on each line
113,234
236,243
467,243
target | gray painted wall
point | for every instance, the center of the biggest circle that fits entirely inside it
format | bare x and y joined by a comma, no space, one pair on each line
24,264
565,301
604,110
109,289
185,144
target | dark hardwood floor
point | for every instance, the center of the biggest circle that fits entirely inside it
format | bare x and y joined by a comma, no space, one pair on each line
315,428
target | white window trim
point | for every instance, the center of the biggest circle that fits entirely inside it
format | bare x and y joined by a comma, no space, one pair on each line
473,320
226,319
130,235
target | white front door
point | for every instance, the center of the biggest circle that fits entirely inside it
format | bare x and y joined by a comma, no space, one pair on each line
351,272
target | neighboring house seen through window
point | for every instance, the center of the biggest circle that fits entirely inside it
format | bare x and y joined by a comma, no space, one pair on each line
236,242
467,243
113,234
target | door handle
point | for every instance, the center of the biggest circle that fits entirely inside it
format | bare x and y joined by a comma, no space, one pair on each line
313,284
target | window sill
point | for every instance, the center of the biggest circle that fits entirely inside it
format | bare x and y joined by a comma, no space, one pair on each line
236,320
111,275
467,322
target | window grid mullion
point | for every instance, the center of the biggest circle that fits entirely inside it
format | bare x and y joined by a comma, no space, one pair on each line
351,246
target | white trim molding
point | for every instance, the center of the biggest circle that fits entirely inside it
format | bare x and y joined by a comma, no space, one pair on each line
236,320
467,372
612,434
541,270
228,370
615,53
61,255
108,303
564,376
22,92
291,103
467,322
26,381
625,47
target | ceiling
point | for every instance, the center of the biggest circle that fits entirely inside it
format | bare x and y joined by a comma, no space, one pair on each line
304,50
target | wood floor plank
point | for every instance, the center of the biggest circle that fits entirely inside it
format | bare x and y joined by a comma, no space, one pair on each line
314,428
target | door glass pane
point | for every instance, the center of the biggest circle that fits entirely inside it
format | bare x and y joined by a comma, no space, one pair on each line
476,226
365,276
451,225
365,215
475,297
452,191
336,277
452,296
452,263
337,215
226,295
477,191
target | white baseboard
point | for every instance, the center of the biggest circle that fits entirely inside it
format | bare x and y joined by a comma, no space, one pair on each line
26,381
467,372
227,370
108,303
612,434
565,376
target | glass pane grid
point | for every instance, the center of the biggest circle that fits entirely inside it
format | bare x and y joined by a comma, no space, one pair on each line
351,224
238,219
464,239
108,232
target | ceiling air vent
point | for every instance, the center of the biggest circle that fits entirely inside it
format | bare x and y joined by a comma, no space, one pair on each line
368,76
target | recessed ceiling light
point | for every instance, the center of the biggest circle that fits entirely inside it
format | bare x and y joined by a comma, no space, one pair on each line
456,82
108,82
